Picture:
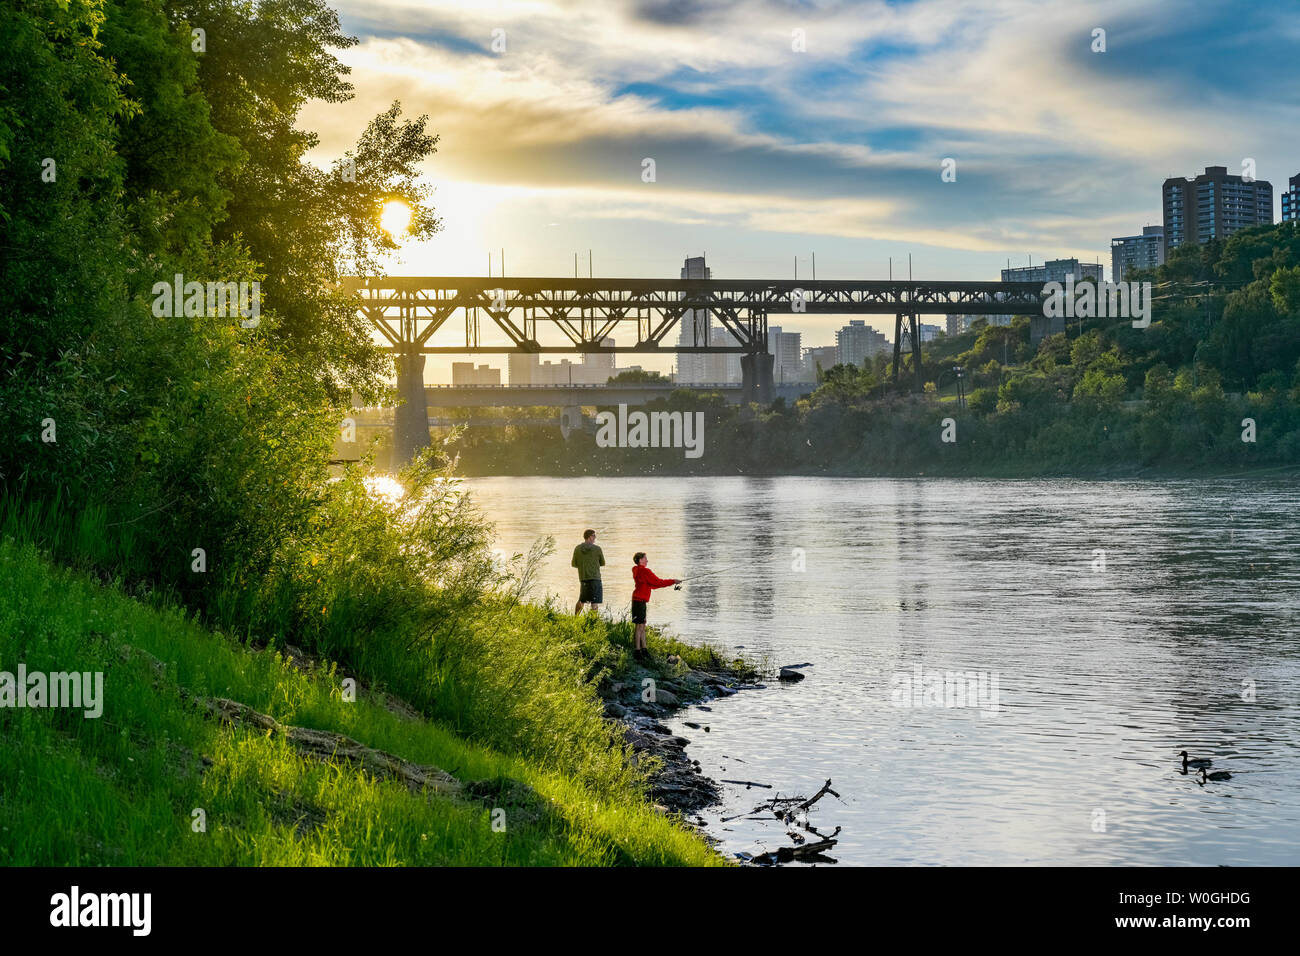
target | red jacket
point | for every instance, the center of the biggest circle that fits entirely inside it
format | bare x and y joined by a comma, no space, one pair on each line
644,580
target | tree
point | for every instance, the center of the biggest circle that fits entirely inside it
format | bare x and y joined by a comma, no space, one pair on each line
638,376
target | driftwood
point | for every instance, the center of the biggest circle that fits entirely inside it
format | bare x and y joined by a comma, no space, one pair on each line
788,854
750,783
326,746
826,788
787,809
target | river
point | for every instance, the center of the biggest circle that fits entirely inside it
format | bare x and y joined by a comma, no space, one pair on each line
1117,622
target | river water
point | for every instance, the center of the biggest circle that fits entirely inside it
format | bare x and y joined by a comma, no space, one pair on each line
1117,622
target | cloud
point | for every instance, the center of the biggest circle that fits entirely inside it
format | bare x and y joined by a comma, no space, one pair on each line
1055,145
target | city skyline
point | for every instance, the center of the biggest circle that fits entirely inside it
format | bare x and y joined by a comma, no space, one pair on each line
771,145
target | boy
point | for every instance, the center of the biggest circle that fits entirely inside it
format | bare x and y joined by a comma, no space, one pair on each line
645,581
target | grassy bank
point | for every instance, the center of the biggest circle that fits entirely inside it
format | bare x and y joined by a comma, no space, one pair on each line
121,789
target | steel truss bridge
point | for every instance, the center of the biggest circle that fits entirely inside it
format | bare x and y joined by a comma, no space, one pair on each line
409,311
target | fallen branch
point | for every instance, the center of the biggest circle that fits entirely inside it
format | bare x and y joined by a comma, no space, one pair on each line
826,788
327,746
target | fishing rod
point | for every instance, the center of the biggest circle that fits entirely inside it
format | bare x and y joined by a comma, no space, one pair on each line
709,574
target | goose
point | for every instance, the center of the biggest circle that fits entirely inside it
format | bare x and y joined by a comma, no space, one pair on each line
1197,764
1217,775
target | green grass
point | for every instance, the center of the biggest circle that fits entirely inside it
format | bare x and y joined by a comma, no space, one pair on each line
120,789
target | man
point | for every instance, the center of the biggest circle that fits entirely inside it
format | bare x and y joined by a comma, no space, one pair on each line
644,581
588,559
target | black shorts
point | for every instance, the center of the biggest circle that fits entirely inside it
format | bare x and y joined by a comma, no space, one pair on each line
638,612
591,592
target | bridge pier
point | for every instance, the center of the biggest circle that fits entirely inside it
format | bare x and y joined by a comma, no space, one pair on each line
898,343
411,417
916,353
756,379
570,419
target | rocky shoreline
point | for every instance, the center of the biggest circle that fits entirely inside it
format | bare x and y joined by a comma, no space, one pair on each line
679,786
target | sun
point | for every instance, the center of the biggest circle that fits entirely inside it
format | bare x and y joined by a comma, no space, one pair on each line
395,218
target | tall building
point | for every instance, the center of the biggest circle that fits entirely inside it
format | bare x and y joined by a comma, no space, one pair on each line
695,328
600,362
1137,252
958,324
929,332
464,373
787,364
522,368
1214,205
1291,200
825,356
526,368
1053,270
857,342
721,368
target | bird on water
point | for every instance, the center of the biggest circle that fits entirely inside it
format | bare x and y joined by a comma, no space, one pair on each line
1217,775
1196,764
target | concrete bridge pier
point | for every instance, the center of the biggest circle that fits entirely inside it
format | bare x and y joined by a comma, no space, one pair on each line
411,417
570,419
756,380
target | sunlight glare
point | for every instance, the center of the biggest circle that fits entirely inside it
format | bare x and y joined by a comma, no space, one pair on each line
395,219
385,487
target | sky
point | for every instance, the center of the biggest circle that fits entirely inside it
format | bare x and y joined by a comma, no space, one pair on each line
780,130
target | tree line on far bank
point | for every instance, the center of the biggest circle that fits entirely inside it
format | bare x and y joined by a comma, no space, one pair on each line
1212,385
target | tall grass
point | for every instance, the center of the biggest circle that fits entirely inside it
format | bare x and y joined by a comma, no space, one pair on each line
403,595
122,789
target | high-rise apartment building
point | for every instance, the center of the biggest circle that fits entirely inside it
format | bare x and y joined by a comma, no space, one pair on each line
522,368
857,342
594,368
464,373
787,362
824,356
695,329
1053,270
1214,205
1137,252
1291,200
722,368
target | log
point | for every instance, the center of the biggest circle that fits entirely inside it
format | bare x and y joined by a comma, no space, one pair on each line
327,746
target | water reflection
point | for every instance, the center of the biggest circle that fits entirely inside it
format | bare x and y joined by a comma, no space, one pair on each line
1125,622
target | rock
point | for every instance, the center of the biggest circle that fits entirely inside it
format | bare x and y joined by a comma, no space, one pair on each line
667,698
615,709
790,675
691,724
